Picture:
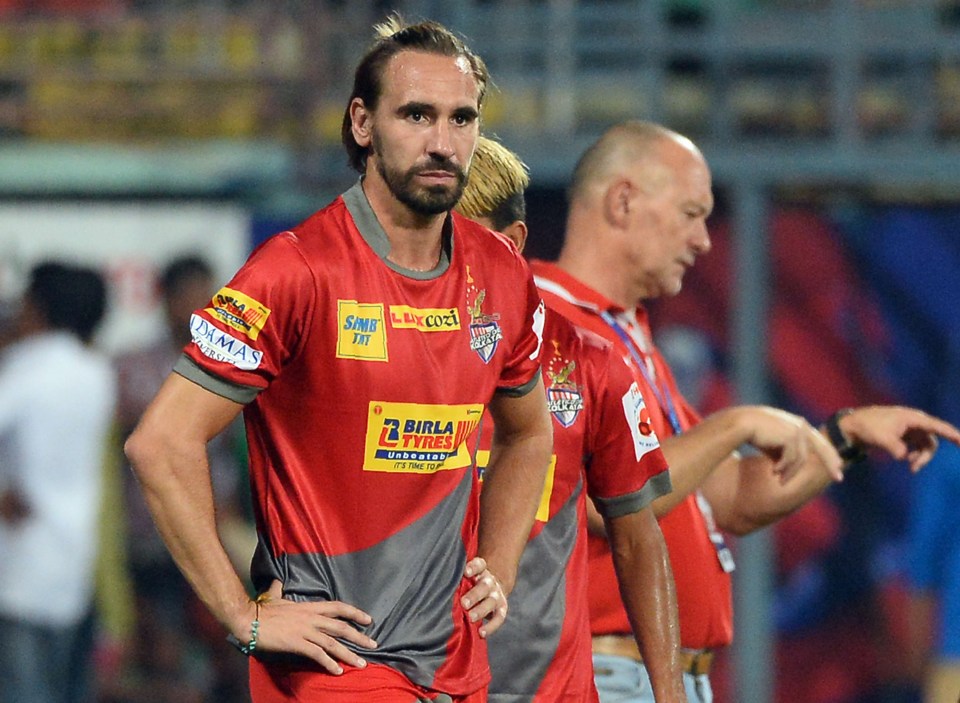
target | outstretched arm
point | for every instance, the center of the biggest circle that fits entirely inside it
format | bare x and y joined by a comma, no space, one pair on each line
746,495
647,589
168,454
904,433
787,441
793,456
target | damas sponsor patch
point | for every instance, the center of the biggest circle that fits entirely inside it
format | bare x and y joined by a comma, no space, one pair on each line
361,333
239,311
218,345
404,317
638,419
412,438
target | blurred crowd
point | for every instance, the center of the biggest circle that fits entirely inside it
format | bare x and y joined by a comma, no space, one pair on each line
91,592
867,595
96,607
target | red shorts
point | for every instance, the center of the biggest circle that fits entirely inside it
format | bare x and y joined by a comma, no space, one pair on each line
374,684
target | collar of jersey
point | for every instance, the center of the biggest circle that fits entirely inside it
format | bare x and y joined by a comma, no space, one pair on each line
374,235
550,278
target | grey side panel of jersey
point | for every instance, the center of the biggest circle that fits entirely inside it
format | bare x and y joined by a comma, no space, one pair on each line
406,583
522,649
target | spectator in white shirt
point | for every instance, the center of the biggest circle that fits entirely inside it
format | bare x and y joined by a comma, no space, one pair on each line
56,405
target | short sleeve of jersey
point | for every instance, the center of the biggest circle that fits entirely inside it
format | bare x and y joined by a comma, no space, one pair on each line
627,469
522,369
254,324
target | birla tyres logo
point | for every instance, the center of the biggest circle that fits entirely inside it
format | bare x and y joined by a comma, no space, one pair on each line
239,311
419,438
485,331
564,399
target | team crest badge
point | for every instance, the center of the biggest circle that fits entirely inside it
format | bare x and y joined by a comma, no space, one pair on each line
564,399
485,332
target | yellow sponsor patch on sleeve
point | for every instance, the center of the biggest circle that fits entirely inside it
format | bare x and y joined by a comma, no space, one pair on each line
239,311
360,331
414,438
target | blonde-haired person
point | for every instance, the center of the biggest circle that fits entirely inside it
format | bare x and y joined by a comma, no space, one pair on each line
495,194
543,650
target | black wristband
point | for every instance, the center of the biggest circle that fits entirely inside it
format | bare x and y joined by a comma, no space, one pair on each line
850,452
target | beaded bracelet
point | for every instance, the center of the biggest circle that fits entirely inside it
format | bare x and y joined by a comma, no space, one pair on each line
251,646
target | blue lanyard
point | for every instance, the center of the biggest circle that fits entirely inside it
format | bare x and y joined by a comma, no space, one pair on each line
724,555
662,393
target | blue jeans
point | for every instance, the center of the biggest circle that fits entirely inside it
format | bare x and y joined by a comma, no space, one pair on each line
622,680
40,664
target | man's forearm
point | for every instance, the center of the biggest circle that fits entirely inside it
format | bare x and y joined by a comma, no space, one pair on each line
756,497
646,586
176,485
693,455
514,478
512,487
904,433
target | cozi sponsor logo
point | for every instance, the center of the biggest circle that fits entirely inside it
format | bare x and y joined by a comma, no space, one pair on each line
239,311
543,509
415,438
361,333
403,317
638,419
216,344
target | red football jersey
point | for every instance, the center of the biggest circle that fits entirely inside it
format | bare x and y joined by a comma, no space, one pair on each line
702,578
542,652
365,384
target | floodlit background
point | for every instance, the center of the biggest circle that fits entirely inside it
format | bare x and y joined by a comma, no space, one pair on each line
132,131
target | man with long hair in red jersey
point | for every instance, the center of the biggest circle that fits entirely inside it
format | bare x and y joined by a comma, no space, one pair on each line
362,347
